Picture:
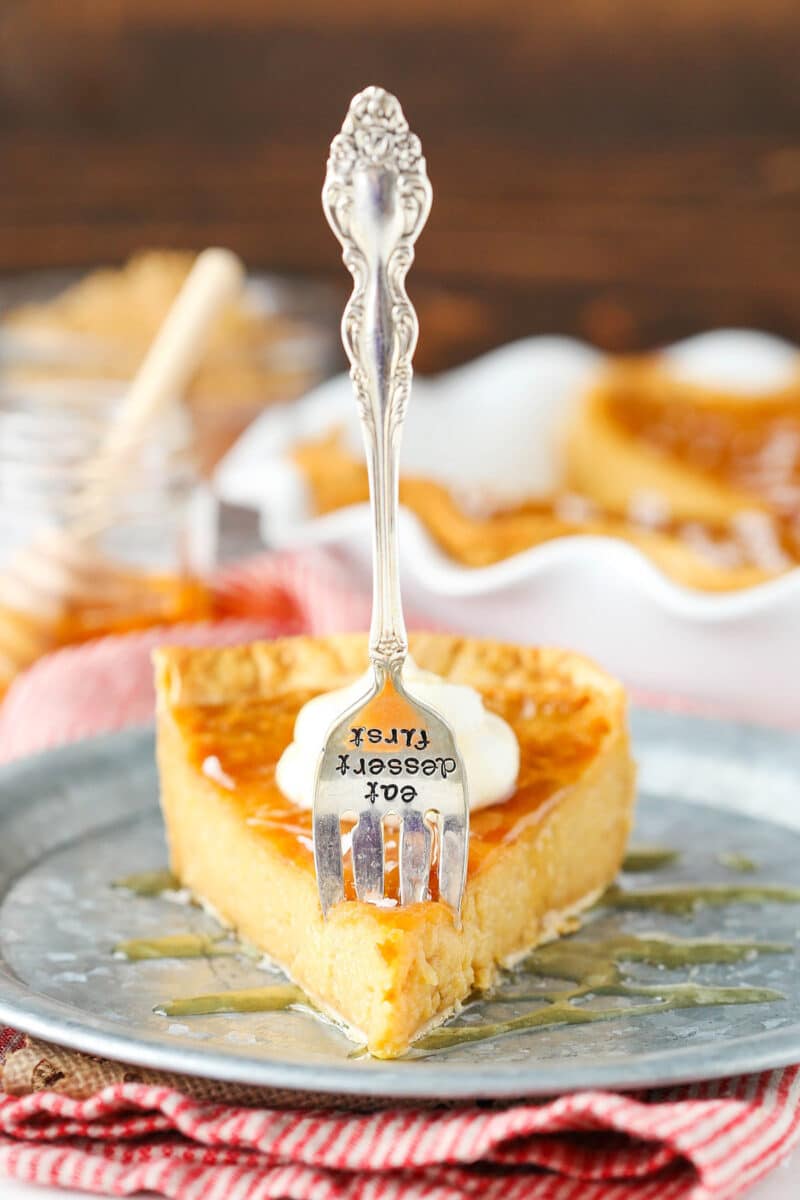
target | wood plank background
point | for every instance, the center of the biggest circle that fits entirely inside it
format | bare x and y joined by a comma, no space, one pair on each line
625,170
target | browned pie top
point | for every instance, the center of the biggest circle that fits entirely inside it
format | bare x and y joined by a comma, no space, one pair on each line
235,709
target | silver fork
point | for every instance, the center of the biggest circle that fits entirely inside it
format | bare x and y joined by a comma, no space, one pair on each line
389,755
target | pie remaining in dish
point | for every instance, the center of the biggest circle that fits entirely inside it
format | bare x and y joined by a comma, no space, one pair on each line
705,482
389,973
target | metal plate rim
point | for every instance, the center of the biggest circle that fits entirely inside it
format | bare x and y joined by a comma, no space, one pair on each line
455,1081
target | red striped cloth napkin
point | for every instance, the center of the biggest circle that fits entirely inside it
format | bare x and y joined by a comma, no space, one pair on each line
704,1142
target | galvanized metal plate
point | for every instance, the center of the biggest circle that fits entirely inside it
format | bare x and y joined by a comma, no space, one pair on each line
75,820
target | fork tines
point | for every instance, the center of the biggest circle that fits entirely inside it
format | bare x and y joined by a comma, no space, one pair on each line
403,782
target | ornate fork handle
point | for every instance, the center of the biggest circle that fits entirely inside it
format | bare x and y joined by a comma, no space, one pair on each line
377,197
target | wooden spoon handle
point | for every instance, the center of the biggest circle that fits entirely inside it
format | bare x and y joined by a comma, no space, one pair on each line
214,280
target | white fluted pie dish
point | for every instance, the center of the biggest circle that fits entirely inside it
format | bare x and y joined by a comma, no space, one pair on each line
497,423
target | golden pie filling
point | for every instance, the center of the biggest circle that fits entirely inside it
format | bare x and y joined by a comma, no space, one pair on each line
389,973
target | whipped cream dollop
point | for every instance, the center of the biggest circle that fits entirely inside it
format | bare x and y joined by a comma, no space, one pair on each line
741,361
487,743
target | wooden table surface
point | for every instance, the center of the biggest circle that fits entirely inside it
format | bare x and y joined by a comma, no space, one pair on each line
620,170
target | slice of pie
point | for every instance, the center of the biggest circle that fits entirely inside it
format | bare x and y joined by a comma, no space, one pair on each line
710,454
388,973
723,468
